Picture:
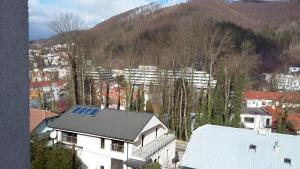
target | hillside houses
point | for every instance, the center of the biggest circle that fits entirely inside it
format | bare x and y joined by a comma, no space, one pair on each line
263,99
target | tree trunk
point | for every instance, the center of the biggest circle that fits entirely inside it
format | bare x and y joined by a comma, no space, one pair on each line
180,115
119,98
90,92
107,95
185,110
83,81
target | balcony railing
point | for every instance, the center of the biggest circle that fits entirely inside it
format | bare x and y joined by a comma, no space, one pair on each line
153,147
117,147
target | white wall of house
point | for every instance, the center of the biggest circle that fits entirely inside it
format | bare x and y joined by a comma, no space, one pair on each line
92,155
259,121
149,133
257,103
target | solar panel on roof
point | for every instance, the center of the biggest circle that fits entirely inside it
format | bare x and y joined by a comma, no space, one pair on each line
76,109
93,112
88,111
84,111
81,111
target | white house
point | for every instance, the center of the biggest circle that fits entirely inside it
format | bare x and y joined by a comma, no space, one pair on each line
257,103
218,147
257,99
115,139
256,118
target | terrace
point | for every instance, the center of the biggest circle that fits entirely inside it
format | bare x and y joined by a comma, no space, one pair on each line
150,149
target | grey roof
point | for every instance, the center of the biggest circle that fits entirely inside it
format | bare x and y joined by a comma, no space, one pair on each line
255,111
217,147
111,123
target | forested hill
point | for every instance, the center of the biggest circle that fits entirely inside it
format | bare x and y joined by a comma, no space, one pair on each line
258,22
252,15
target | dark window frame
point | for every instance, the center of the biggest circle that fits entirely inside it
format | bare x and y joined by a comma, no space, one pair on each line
117,146
249,119
69,137
102,143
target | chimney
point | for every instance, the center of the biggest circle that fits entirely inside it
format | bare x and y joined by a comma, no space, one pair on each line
276,146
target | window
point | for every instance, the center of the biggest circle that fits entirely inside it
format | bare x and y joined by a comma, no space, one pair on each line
101,167
143,137
117,146
156,132
268,122
69,137
116,164
249,119
102,140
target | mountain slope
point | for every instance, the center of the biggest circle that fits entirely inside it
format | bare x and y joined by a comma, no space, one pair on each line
153,19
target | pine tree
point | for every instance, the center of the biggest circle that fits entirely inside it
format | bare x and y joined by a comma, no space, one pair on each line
236,89
219,98
279,125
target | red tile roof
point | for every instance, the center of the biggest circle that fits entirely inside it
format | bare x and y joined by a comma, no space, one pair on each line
275,96
275,112
294,119
46,83
37,116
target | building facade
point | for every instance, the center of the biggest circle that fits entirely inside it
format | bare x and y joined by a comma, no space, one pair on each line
256,119
146,75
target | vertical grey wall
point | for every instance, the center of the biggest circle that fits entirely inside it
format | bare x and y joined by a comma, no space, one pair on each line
14,85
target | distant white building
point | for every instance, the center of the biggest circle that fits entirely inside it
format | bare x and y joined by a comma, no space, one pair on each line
257,99
256,119
145,75
257,103
284,82
218,147
294,69
115,139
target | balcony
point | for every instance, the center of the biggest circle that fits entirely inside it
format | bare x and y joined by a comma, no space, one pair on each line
150,149
117,146
69,138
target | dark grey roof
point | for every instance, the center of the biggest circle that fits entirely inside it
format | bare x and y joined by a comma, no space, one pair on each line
111,123
255,111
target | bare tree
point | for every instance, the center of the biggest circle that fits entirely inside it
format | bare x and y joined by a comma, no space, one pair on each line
65,24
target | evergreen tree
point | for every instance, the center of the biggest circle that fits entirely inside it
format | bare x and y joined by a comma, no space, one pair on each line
208,110
219,97
199,112
279,125
57,157
236,90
